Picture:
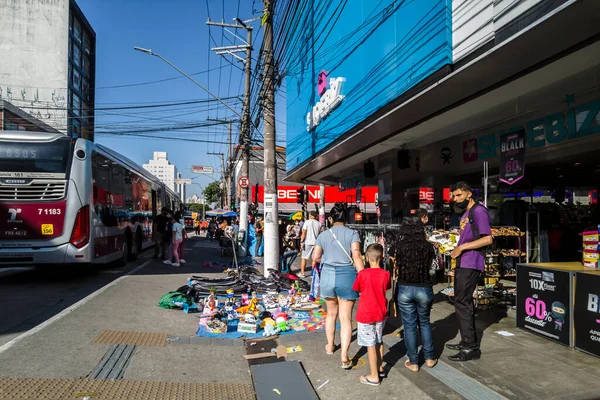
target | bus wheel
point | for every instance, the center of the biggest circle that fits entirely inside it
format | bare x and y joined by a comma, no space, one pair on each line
121,262
135,247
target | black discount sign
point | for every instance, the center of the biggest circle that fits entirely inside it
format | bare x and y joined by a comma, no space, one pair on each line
544,302
587,313
512,156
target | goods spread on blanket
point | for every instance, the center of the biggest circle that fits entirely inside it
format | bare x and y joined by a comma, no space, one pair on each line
259,315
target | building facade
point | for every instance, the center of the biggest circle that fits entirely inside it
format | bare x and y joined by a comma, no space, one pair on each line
413,96
47,63
161,167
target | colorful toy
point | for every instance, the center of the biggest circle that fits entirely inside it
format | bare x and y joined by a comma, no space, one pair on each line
282,323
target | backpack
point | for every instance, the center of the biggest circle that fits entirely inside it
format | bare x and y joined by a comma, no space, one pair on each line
475,228
175,300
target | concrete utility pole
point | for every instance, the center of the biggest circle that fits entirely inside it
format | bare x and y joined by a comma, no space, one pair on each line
246,123
223,177
271,232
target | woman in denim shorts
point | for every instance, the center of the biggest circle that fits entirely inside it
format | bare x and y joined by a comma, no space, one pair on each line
338,249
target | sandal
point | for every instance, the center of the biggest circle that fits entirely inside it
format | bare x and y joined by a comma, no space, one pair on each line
347,365
383,374
366,381
329,352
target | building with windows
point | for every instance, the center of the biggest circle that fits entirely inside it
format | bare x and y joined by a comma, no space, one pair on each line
161,167
47,63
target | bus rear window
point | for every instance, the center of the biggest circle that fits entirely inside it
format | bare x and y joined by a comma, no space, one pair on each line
50,157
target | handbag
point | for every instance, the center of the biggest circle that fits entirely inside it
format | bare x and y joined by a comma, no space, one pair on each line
343,249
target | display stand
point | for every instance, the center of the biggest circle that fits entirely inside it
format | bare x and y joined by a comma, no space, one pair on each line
586,313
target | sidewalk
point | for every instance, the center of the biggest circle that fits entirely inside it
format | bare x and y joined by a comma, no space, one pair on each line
523,366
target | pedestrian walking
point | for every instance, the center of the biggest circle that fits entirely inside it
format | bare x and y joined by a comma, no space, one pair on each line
181,248
372,284
212,228
197,226
259,227
414,255
159,226
177,238
338,249
475,236
310,231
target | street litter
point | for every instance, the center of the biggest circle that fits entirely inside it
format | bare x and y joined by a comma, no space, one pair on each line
323,384
294,349
505,333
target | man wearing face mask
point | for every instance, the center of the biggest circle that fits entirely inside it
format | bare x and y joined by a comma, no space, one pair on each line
475,236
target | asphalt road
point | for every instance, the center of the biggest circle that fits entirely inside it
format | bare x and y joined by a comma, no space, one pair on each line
30,296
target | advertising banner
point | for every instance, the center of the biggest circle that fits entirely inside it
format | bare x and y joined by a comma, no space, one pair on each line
544,302
202,169
512,156
586,313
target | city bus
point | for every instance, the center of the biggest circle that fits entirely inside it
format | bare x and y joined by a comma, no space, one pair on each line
66,200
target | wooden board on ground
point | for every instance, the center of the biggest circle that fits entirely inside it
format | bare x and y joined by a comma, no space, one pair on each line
284,380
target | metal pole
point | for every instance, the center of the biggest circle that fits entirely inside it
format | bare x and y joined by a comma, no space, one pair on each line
229,169
271,232
322,203
246,147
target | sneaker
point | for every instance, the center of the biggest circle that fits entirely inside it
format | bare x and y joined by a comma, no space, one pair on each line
176,264
301,275
167,262
182,261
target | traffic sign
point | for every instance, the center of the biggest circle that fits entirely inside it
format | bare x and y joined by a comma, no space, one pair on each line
186,181
199,169
244,182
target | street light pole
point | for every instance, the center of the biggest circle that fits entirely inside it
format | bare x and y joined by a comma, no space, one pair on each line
150,52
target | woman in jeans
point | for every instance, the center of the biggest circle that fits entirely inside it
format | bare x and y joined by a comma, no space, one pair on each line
415,292
338,249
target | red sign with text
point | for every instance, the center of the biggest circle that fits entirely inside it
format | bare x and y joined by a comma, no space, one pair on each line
289,194
426,195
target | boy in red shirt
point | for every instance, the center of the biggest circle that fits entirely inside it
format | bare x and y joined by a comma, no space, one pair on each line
372,284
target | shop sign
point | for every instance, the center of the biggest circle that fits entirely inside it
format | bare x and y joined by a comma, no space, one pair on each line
586,313
330,99
426,195
512,157
289,194
577,122
544,302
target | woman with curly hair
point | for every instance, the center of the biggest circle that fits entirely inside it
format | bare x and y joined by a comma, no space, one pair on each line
338,249
415,290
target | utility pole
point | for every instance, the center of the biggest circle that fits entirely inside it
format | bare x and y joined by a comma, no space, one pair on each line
246,123
271,232
223,177
322,204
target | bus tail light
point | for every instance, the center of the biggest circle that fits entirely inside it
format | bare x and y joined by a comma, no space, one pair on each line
81,229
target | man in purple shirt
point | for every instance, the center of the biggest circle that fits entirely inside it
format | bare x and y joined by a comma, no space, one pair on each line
475,235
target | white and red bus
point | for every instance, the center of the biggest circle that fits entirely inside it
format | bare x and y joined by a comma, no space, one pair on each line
70,201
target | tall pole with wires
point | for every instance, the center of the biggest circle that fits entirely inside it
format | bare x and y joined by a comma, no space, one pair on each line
271,231
246,122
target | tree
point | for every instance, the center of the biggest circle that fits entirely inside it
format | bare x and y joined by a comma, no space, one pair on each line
212,193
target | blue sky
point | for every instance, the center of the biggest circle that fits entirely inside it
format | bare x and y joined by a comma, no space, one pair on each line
177,30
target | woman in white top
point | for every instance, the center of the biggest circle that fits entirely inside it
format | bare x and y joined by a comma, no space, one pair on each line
176,241
181,248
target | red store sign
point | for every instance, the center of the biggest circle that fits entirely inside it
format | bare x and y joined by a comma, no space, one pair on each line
288,194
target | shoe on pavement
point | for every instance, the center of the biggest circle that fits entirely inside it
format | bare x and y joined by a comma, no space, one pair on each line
466,355
167,262
412,367
176,264
182,261
431,363
454,346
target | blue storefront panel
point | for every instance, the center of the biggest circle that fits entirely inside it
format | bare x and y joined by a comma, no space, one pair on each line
379,49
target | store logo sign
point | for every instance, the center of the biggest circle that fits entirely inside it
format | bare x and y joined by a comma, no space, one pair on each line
330,99
577,122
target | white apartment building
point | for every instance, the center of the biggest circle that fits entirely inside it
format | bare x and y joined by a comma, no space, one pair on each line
162,168
194,199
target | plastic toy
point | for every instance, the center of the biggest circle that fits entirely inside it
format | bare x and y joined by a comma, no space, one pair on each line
282,323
